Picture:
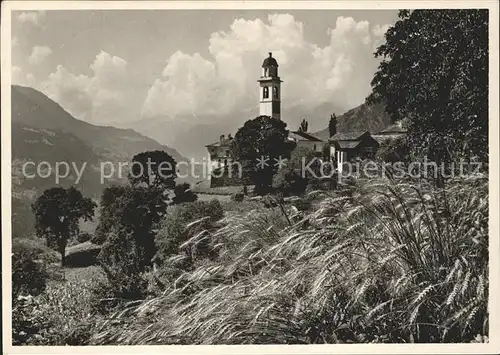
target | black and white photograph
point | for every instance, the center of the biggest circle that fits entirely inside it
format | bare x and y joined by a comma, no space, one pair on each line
250,173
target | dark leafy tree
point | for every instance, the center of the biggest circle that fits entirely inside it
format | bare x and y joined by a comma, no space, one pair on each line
57,214
107,216
155,169
304,125
183,193
130,222
258,146
434,72
394,150
332,125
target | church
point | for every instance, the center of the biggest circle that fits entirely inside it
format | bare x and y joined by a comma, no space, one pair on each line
270,105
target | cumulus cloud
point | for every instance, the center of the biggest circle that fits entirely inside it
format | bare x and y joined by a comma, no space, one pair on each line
338,73
20,77
95,97
38,54
33,17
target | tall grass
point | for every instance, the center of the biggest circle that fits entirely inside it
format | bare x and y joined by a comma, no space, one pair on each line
389,262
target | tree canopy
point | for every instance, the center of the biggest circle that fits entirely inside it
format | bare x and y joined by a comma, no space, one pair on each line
332,125
153,169
304,125
434,72
57,213
258,146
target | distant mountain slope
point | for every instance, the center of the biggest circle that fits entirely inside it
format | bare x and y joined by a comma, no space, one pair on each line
190,134
42,131
34,109
372,118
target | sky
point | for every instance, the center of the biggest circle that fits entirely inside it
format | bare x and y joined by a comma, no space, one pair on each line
186,67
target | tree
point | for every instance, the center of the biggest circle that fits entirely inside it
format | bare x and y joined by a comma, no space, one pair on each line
183,193
332,125
129,221
258,146
434,72
393,150
303,126
154,169
107,208
57,214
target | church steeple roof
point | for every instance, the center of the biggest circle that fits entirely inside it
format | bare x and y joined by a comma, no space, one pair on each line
270,61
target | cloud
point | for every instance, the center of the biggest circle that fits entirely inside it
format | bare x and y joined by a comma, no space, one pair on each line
97,97
38,54
338,73
33,17
19,77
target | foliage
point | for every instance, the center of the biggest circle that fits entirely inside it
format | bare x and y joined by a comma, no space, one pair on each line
434,72
108,218
261,138
185,222
129,219
394,262
131,225
393,150
303,125
29,270
332,125
57,213
127,229
183,193
153,169
303,169
62,315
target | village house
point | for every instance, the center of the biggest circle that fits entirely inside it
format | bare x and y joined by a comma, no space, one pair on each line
220,152
349,146
396,130
307,140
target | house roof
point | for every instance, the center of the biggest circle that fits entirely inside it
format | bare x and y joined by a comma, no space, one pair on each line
348,136
225,142
393,129
305,136
348,144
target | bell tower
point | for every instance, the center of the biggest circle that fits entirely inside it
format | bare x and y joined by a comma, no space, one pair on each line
270,89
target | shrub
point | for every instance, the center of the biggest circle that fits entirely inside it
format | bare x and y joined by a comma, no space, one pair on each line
183,193
29,270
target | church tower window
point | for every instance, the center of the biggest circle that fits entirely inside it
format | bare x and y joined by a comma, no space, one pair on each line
266,92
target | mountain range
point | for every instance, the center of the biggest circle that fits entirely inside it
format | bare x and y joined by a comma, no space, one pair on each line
371,118
43,134
191,137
